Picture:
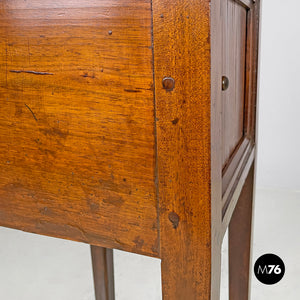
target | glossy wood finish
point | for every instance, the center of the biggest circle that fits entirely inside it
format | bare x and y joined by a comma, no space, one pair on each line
240,242
115,130
183,138
103,271
189,146
77,133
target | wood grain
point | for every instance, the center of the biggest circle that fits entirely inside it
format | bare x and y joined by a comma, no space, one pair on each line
114,129
77,146
246,146
234,18
190,122
181,32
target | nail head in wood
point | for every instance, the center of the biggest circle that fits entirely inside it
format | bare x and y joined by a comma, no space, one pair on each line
168,83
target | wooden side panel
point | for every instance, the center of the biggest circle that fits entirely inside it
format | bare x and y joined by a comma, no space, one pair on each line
234,17
182,51
234,170
216,146
77,146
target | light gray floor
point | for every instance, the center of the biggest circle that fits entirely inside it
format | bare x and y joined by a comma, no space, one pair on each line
34,267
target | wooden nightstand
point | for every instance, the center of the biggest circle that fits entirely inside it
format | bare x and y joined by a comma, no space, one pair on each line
130,124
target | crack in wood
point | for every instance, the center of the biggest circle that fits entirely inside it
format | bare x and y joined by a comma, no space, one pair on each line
30,72
31,112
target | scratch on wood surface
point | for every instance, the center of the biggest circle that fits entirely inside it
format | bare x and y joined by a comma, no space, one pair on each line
31,111
87,75
31,72
132,91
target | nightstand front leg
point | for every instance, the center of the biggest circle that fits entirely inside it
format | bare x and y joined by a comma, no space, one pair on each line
103,270
190,276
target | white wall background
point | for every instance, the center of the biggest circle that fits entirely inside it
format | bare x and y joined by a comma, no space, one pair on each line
279,102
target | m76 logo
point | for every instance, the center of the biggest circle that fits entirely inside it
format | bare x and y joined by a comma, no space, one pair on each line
269,269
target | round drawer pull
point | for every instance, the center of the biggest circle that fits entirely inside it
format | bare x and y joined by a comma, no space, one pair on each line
225,83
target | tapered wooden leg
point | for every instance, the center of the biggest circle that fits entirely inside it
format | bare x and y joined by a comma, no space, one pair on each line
103,270
240,243
185,283
190,260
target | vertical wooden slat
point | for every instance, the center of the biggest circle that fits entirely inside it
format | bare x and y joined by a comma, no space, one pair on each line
181,32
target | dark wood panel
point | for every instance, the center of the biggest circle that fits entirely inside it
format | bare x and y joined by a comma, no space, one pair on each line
232,165
234,18
240,242
231,200
232,176
77,146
